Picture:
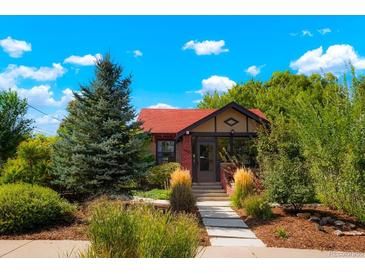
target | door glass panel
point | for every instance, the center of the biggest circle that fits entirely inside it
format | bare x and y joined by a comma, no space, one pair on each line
206,157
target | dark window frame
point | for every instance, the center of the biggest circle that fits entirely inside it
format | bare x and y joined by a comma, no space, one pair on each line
161,154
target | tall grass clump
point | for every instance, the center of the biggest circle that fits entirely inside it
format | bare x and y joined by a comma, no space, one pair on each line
182,197
140,231
25,207
243,186
180,176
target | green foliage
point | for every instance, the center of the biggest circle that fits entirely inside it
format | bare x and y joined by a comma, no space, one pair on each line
24,207
141,232
159,194
159,176
315,148
257,206
281,233
14,127
182,198
32,163
245,94
101,145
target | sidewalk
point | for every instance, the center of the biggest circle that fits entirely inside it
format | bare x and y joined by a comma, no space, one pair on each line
41,248
270,252
71,249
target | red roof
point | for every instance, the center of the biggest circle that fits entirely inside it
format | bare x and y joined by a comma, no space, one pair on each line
174,120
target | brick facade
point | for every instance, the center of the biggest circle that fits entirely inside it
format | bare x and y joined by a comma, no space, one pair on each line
186,155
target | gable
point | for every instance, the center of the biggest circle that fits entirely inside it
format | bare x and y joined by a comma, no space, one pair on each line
226,121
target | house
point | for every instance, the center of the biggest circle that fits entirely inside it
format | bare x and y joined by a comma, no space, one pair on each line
198,138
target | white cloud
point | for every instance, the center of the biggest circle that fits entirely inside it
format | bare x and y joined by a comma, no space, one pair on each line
324,31
47,120
86,60
254,70
137,53
15,48
162,105
216,83
43,96
13,73
206,47
307,33
336,59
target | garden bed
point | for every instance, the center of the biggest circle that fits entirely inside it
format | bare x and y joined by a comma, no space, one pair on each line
303,233
77,230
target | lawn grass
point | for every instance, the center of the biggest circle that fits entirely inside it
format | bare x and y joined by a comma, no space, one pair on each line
158,194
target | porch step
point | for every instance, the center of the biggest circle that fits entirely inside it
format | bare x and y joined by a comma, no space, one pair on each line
210,194
207,188
210,190
207,185
221,198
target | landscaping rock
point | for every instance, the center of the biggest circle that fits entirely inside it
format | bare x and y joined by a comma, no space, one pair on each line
316,214
329,220
353,233
350,226
314,219
338,233
304,215
339,224
323,221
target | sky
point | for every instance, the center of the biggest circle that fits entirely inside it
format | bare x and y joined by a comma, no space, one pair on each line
174,60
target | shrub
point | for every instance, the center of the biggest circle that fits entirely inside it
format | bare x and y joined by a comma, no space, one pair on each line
243,186
180,176
159,176
24,207
141,232
161,194
281,233
258,207
32,163
287,182
182,198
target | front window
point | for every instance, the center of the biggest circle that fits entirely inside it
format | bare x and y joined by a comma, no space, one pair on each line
165,151
245,150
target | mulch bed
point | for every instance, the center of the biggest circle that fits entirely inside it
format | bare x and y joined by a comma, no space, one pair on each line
77,230
303,233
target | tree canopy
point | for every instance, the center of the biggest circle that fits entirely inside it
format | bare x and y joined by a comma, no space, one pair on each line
14,126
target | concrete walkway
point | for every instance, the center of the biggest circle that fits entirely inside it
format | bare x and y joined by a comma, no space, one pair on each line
224,227
41,248
270,252
71,249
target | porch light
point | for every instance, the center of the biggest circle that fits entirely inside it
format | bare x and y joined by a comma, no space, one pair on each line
232,131
187,132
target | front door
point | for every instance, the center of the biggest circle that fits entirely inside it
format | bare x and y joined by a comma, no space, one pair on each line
206,162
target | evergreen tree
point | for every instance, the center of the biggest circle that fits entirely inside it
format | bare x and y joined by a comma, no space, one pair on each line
101,145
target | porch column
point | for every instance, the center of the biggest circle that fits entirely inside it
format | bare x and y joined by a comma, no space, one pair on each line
187,155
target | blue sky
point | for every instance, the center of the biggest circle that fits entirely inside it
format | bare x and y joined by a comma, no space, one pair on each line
173,59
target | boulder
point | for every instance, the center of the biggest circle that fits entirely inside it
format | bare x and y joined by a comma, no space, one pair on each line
350,226
353,233
323,221
339,224
304,215
338,233
314,219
